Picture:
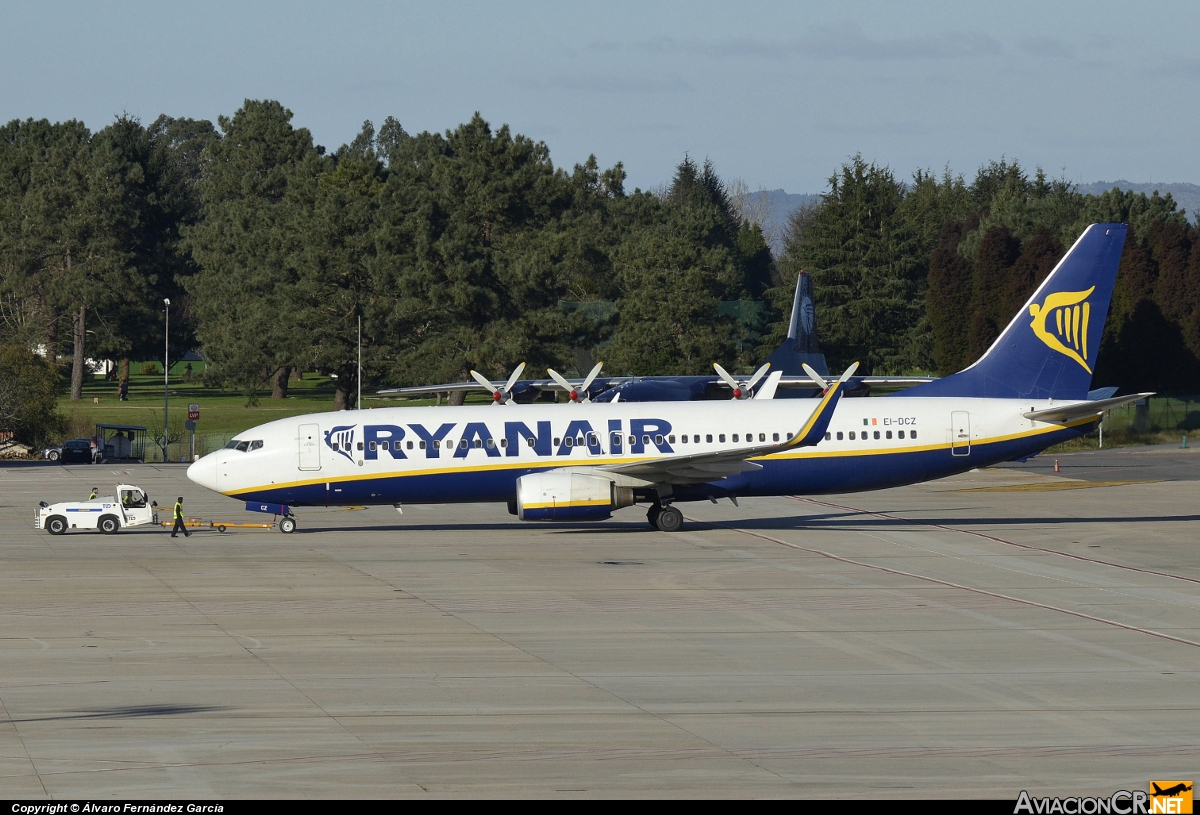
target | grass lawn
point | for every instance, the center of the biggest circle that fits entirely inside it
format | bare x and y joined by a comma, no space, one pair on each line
223,414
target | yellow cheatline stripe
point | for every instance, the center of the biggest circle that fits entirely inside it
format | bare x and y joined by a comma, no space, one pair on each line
1052,486
555,504
810,452
878,451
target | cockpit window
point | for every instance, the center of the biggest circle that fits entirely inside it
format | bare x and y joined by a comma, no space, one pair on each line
232,444
256,445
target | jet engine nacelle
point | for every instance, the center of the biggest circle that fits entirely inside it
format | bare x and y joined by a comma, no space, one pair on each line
561,496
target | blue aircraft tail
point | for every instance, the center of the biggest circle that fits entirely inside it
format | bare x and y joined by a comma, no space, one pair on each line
1049,349
800,347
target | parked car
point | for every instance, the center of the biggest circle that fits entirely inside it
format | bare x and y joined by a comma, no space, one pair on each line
80,451
52,453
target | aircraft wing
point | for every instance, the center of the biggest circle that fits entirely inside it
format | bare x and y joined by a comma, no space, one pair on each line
539,384
701,467
806,382
1078,410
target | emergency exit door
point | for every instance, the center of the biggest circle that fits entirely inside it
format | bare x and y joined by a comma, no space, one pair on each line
309,438
960,433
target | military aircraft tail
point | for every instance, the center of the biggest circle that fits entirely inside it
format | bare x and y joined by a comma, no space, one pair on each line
800,347
1049,348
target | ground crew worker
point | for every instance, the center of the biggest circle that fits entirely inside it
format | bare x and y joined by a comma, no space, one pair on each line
179,527
92,497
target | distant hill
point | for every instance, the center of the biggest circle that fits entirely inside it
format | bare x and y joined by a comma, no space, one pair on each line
1187,196
779,205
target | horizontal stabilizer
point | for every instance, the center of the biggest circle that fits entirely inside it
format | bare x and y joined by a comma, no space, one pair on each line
1077,410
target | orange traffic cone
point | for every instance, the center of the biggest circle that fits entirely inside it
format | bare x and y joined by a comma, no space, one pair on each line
1055,465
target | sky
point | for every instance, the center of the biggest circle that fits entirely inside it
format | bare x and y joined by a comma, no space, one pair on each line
778,94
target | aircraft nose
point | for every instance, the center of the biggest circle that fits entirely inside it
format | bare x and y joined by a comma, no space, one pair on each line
204,472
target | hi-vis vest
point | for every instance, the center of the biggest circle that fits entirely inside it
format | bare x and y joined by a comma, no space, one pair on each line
178,510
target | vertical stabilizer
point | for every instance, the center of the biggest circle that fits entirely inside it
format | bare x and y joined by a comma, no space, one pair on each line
1049,348
800,347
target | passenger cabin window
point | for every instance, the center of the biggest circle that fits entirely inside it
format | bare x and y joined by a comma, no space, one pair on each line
912,434
682,438
593,441
839,435
851,435
735,436
774,437
828,436
671,439
721,438
503,443
696,439
708,438
491,444
360,446
762,436
462,444
888,434
409,445
372,446
900,434
876,434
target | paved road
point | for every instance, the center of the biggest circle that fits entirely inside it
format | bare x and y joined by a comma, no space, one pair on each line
975,636
1160,462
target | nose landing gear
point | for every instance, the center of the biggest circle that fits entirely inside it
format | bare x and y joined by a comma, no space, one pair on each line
287,524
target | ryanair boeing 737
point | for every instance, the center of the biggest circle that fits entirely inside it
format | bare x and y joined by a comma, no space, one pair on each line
572,462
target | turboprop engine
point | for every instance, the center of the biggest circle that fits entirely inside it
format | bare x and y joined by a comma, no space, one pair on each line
566,496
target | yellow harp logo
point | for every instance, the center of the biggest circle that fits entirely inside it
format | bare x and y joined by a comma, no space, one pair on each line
1068,334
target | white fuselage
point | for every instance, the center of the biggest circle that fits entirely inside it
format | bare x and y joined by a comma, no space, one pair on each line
475,453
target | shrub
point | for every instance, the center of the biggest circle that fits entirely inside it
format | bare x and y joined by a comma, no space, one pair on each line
149,369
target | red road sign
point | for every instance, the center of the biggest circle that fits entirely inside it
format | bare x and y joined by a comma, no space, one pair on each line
193,412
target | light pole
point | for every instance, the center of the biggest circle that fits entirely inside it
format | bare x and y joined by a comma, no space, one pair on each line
166,370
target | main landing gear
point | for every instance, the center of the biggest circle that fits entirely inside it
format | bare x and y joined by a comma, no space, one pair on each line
665,518
287,524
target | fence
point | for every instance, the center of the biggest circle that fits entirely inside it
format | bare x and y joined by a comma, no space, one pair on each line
180,447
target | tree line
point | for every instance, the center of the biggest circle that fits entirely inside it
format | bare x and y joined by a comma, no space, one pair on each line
923,275
470,249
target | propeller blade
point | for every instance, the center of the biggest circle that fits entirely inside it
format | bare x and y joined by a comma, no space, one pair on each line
558,378
724,374
849,372
483,380
759,374
587,382
512,380
816,377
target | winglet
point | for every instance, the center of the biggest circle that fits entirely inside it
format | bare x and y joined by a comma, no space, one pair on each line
814,429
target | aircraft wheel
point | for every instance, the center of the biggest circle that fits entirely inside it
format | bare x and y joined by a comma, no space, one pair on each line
57,525
287,525
109,525
670,520
220,527
652,515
